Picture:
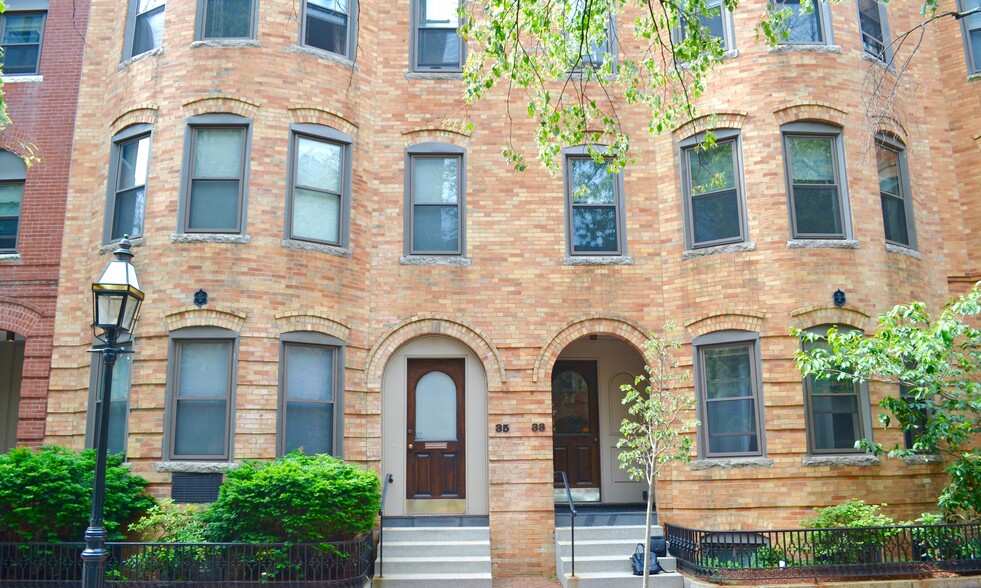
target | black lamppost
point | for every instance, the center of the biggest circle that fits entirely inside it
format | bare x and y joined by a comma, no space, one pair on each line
116,300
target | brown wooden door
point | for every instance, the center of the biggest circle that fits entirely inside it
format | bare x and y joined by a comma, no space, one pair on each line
435,432
575,423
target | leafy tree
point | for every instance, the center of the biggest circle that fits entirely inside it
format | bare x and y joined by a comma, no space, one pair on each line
657,430
936,367
556,61
46,494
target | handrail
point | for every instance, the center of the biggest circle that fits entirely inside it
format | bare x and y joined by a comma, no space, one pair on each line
381,530
573,512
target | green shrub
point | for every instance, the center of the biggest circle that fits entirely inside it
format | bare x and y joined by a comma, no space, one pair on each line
46,495
850,547
169,522
297,498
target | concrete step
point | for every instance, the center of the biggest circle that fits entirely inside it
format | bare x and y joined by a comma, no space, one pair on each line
609,580
433,581
598,547
438,565
610,563
403,534
445,548
434,557
607,532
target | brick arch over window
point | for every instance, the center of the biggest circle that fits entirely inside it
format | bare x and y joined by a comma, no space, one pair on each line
738,319
435,135
18,317
146,113
714,120
817,111
433,324
805,318
221,104
288,322
210,317
322,116
582,327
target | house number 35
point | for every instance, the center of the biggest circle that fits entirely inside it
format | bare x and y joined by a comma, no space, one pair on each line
502,428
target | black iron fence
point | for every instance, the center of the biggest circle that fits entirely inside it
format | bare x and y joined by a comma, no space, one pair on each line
866,552
347,564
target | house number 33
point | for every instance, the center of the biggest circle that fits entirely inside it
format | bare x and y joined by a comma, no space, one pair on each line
538,427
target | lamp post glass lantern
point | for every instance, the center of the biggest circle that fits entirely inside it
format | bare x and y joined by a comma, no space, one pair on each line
116,301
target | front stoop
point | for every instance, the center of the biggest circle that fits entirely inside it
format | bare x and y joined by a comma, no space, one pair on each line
603,558
435,557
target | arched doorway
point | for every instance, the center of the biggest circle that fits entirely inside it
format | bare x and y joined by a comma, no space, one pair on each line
434,429
11,371
586,416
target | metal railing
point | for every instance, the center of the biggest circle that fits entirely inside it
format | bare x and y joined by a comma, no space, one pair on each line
863,552
347,564
381,524
572,518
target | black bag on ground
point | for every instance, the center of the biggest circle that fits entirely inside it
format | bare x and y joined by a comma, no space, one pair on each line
659,545
637,561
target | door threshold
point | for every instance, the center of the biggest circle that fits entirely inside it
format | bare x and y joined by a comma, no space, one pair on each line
578,495
438,521
436,506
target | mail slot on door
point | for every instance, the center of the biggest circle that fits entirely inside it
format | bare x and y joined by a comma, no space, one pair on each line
436,445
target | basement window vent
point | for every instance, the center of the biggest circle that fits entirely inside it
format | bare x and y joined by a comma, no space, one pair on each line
194,487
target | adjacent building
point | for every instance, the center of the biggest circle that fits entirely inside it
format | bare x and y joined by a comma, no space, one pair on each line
330,265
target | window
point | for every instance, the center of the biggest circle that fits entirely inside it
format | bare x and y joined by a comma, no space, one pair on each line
438,47
713,191
320,185
598,44
971,28
874,28
21,36
837,411
894,190
815,174
919,411
330,25
803,26
129,163
13,173
729,388
201,384
144,27
215,177
717,24
311,365
226,19
594,205
435,203
122,374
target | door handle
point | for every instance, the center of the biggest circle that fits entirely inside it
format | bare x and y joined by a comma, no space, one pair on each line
410,446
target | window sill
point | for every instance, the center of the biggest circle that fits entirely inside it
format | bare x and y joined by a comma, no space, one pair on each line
145,55
839,460
922,459
876,61
15,79
719,250
730,54
322,54
318,247
822,244
9,256
802,48
196,467
434,75
597,260
435,260
114,245
209,238
899,249
730,463
226,43
971,78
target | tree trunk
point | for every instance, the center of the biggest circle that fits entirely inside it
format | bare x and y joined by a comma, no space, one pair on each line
647,533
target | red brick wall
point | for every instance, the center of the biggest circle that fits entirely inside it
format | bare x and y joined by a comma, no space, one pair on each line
43,116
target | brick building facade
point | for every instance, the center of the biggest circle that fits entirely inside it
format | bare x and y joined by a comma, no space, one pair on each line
372,273
43,45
